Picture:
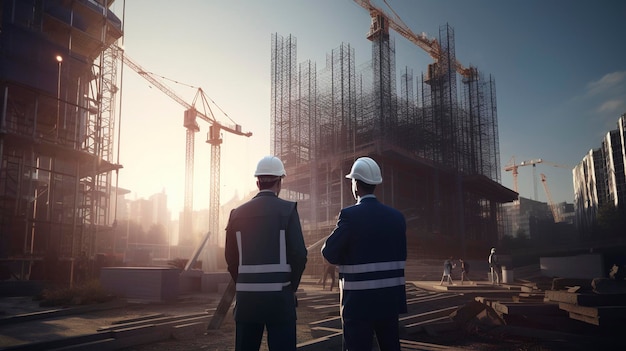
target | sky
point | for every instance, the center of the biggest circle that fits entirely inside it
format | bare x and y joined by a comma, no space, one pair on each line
559,68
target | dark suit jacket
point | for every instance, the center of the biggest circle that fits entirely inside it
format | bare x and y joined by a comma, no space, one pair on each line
369,232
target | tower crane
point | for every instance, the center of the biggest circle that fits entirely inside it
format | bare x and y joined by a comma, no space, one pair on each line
555,211
381,21
214,138
512,167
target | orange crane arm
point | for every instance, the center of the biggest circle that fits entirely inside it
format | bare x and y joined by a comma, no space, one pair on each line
169,92
557,165
555,211
430,46
512,166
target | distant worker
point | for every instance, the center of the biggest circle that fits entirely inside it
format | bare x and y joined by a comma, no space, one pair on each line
447,271
495,267
465,266
369,246
266,255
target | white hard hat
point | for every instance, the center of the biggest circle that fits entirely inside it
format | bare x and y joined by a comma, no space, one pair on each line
366,170
270,166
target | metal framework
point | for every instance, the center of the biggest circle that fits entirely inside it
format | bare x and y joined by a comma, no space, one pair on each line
56,134
438,152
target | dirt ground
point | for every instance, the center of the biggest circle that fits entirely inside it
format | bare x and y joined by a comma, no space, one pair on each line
462,339
223,338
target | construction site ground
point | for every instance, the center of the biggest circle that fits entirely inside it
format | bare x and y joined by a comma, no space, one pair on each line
439,318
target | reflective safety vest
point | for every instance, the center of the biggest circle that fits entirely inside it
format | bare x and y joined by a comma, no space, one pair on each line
264,277
374,275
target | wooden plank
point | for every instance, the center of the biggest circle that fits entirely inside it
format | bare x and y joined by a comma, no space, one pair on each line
416,345
537,295
434,297
417,327
320,332
562,296
527,298
223,306
327,342
333,322
586,299
152,321
444,312
527,308
486,300
597,311
188,330
329,310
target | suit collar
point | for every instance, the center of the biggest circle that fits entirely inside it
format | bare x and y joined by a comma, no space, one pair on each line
266,193
367,197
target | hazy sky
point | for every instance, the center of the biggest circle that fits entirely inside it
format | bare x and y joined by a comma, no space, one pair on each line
559,67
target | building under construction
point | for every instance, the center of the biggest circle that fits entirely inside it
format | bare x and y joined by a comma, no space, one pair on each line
57,116
438,151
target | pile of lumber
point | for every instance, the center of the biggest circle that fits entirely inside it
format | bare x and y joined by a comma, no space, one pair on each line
601,302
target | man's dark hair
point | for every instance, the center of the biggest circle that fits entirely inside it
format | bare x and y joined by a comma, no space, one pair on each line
368,188
266,182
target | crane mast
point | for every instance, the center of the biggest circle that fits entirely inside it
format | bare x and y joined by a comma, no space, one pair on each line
213,138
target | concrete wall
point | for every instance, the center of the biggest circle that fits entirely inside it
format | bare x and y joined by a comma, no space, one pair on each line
581,266
142,283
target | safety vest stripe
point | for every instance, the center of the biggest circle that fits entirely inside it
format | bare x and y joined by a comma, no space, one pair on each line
261,286
266,283
372,284
265,268
372,267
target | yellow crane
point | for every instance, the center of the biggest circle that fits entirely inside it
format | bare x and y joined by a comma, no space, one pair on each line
381,21
513,167
214,138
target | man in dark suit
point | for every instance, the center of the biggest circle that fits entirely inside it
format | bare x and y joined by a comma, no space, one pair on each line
369,246
266,256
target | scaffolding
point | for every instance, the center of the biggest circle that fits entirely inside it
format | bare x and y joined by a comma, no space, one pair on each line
438,152
58,88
